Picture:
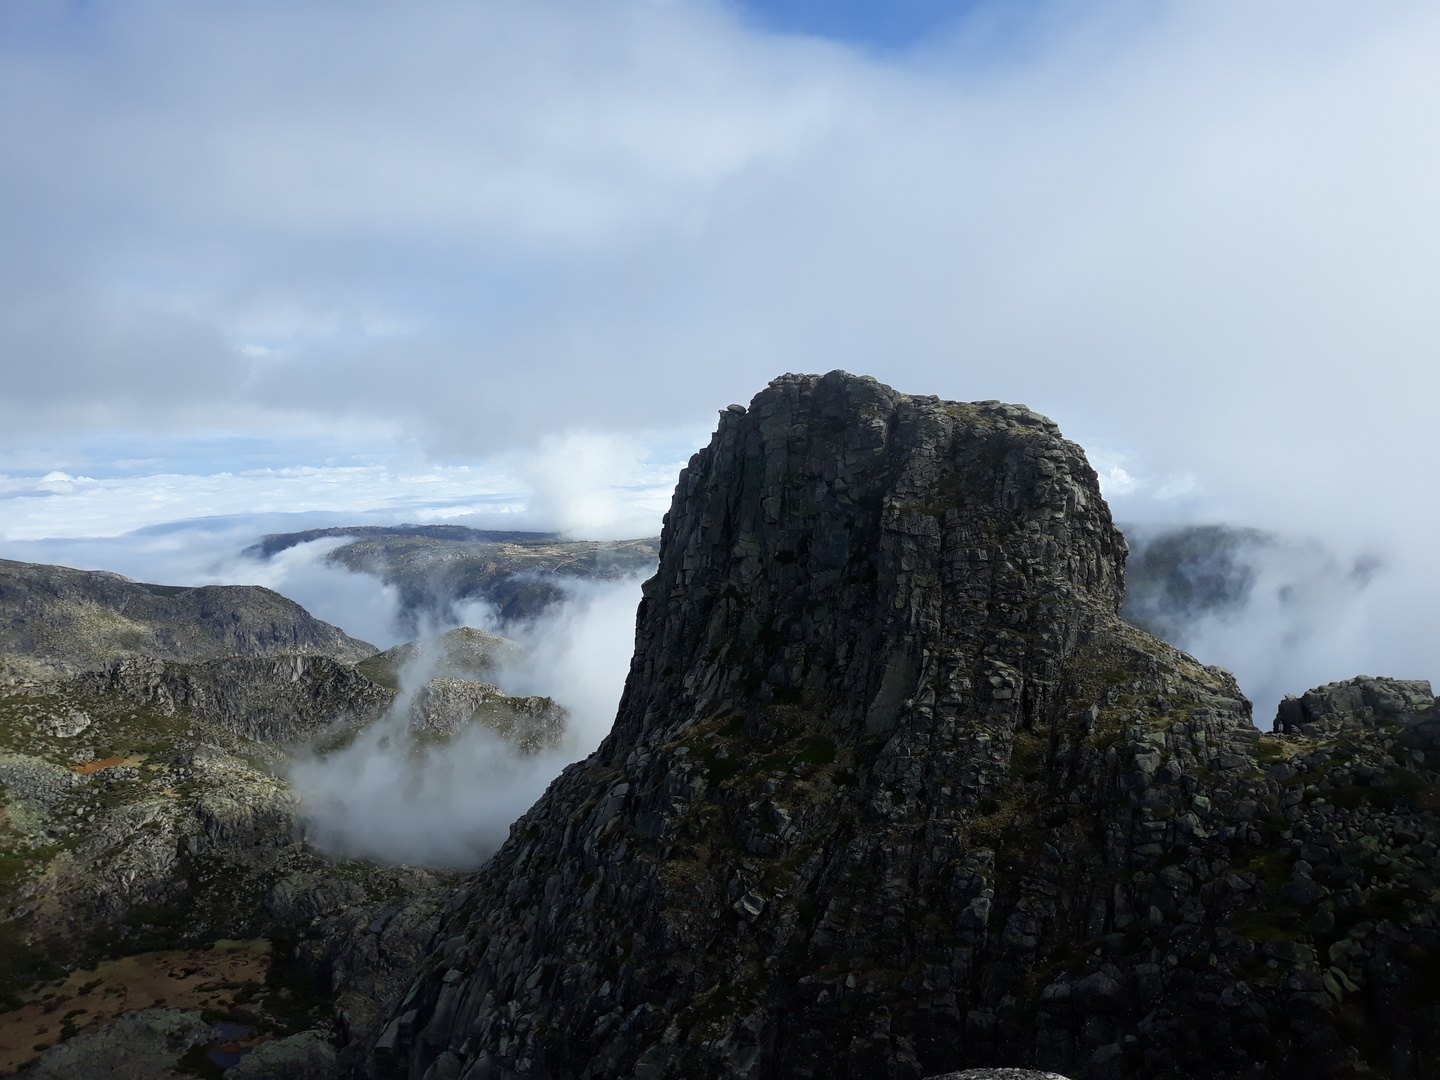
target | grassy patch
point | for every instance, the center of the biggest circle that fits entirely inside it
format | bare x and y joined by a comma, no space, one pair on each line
816,750
1408,786
1268,925
1027,758
717,769
1269,752
1272,869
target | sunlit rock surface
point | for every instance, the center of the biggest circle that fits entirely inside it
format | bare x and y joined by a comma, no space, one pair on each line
462,653
57,621
144,737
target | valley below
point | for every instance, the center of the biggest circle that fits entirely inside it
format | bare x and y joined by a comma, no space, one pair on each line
154,854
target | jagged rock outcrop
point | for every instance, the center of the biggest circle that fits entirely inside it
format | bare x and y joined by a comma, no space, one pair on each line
280,699
462,653
892,791
446,706
1364,703
55,621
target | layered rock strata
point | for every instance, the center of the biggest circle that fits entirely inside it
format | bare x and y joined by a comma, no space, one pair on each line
892,791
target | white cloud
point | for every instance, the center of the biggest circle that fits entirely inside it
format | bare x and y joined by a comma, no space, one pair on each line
60,506
496,223
596,486
1204,230
388,796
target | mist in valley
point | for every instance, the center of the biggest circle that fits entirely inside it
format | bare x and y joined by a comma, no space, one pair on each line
1283,610
397,795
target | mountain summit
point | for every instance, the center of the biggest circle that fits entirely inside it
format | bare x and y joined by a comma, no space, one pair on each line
892,790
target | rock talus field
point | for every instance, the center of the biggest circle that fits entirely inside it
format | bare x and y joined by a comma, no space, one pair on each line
894,792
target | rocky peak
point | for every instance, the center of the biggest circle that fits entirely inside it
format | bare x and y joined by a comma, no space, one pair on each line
842,541
1363,700
893,791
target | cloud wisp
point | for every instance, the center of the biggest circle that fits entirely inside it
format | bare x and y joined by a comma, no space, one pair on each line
393,796
1283,612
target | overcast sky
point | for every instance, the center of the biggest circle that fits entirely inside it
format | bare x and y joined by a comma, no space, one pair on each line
432,259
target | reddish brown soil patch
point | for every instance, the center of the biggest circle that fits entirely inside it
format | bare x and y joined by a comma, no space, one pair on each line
104,763
87,1000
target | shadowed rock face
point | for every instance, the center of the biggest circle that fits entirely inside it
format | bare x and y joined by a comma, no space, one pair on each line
856,545
892,791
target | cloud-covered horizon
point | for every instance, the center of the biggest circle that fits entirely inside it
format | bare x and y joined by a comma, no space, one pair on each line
482,224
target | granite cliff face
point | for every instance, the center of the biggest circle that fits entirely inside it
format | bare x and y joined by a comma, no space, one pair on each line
892,791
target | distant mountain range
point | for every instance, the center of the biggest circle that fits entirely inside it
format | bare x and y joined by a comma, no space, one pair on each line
438,568
55,621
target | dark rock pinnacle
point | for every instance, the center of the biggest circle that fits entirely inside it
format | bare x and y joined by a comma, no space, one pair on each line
893,792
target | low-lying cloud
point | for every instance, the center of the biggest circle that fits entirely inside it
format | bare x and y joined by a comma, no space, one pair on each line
1283,612
396,797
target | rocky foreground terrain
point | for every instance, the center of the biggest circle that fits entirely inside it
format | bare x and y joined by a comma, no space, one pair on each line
144,814
893,791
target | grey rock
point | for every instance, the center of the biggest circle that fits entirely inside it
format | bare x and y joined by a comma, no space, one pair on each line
843,567
1098,992
144,1045
67,725
462,653
36,780
881,685
445,706
56,621
308,1055
1363,699
273,699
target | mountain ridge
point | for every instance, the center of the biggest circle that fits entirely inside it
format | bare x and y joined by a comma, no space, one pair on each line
55,621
